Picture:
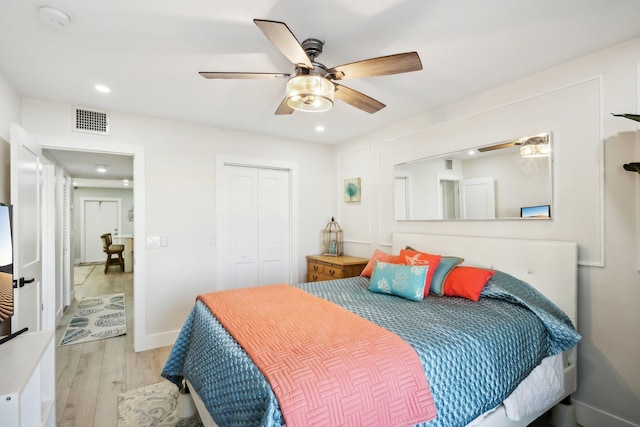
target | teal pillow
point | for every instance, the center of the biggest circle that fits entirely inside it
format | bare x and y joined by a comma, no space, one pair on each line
405,281
447,263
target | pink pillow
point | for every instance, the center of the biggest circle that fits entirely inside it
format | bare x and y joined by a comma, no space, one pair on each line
466,282
411,257
378,255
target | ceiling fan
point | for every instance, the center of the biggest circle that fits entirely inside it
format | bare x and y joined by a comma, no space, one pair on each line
313,86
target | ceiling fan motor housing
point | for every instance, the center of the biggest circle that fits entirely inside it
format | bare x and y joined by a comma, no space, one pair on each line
313,48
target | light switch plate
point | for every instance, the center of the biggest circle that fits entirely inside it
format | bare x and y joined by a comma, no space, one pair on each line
153,242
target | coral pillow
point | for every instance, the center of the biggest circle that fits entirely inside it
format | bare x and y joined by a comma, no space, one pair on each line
378,255
410,257
398,279
466,282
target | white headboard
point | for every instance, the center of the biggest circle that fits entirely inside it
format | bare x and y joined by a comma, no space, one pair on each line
550,266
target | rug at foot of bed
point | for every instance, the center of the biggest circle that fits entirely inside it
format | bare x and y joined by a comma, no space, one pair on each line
153,405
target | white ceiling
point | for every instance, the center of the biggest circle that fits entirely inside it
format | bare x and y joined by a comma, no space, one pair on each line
84,165
149,54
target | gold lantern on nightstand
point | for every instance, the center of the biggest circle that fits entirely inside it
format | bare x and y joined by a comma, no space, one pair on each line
332,243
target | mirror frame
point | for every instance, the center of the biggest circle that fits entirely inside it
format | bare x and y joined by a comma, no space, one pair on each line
532,155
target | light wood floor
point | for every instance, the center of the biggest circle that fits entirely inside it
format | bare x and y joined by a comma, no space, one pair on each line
89,376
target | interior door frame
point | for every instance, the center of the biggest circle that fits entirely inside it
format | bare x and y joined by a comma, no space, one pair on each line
141,341
83,218
440,195
292,167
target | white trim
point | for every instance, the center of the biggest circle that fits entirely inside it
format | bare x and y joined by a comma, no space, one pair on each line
139,201
83,200
360,242
364,197
587,415
48,286
252,162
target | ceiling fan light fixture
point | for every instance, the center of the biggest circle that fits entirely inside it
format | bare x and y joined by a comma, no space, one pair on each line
309,92
535,146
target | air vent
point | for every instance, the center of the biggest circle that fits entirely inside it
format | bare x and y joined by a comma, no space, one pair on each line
90,121
448,164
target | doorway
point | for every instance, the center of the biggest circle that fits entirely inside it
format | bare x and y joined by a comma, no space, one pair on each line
137,154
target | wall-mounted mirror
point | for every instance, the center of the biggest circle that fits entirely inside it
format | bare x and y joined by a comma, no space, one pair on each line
505,180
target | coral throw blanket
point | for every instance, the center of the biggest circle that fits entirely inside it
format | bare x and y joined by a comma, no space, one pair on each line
326,365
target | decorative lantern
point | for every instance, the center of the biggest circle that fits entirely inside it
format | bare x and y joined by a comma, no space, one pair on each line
332,239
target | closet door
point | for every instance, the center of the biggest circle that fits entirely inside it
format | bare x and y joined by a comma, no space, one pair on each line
254,226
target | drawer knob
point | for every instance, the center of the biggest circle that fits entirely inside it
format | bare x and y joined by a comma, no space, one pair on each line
314,277
315,268
332,272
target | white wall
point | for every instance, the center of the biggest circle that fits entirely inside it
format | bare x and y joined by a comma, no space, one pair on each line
180,200
596,202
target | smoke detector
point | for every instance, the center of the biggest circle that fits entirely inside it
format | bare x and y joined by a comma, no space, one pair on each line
53,16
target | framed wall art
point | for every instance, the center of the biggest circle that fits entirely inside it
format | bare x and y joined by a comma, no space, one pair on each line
352,190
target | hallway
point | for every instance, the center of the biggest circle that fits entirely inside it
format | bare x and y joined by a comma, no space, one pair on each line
89,376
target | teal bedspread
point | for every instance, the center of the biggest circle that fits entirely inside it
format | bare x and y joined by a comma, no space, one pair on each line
474,353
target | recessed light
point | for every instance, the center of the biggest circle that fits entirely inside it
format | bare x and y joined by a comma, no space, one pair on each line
472,152
319,128
102,88
125,182
101,168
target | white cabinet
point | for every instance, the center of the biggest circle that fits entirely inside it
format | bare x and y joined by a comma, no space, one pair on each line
27,381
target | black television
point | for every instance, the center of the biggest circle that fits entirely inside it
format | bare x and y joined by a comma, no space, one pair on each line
6,269
541,211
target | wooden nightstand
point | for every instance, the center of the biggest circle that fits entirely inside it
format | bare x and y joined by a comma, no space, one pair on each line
322,267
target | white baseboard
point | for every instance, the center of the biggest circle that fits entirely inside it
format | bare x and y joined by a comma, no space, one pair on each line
164,339
588,416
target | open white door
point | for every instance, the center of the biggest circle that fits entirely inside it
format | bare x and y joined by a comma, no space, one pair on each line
477,200
26,198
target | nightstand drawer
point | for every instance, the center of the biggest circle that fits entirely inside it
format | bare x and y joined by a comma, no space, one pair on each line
332,271
322,267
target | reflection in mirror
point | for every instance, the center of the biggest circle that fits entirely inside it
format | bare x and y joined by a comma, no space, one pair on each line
489,182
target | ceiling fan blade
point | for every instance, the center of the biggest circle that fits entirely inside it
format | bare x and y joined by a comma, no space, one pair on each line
357,99
381,66
223,75
281,36
284,108
498,146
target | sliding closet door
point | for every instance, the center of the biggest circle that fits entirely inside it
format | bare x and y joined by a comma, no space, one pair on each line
254,227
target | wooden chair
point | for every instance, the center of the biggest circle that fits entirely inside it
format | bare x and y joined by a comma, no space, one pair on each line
112,250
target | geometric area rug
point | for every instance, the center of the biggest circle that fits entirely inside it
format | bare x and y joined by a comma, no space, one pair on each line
96,318
154,405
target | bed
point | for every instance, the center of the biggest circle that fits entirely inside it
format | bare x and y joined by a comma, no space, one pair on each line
226,384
